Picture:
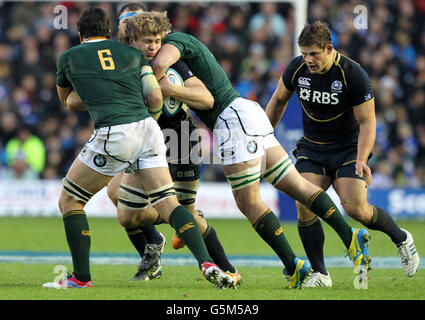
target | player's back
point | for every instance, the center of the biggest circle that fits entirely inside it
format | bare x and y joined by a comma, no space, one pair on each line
106,75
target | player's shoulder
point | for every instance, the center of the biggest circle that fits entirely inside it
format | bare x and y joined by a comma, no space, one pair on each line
350,66
180,37
175,36
295,63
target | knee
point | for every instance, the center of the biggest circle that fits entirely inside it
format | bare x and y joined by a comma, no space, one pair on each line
361,212
67,203
127,219
249,204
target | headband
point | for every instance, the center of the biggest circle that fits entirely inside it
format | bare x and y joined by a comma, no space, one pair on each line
128,15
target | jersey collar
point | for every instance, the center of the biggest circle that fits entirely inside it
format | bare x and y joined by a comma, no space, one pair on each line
95,39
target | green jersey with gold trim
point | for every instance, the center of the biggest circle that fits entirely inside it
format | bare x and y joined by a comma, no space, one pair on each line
106,74
328,99
202,63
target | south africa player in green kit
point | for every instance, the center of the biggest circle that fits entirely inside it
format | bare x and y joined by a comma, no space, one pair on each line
248,151
107,76
145,31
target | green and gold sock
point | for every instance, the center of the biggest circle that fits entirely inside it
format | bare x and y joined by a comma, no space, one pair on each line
187,229
323,206
270,230
78,236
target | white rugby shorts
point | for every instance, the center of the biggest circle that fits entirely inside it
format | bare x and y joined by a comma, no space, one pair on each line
243,132
133,146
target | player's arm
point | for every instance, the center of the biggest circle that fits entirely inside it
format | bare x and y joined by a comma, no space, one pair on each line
74,102
365,116
278,103
194,93
151,92
167,55
63,93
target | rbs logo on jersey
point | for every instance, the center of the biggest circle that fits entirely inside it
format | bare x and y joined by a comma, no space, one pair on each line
319,96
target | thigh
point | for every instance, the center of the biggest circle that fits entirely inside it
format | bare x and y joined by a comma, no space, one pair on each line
87,178
247,197
293,184
152,180
186,193
80,184
113,186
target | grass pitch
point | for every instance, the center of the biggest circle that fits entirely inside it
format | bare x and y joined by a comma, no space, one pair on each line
22,281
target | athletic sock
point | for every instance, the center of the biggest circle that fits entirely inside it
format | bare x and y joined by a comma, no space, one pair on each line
78,236
313,239
270,230
187,229
138,239
382,221
216,251
323,206
152,235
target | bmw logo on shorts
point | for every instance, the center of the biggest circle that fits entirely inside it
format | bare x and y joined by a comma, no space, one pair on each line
99,160
252,146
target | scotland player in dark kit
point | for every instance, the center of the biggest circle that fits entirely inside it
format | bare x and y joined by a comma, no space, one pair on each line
339,133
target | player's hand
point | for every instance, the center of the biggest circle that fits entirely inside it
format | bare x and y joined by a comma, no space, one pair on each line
363,170
166,87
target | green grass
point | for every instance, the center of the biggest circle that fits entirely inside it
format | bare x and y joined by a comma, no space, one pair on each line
23,281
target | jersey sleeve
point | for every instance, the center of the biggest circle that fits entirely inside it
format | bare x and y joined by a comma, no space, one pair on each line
360,88
183,70
61,79
289,72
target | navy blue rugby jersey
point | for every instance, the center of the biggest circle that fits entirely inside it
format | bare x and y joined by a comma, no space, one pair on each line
328,99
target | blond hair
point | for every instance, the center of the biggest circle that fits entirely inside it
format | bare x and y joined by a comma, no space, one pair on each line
147,23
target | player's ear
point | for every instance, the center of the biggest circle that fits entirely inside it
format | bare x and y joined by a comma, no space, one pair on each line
329,48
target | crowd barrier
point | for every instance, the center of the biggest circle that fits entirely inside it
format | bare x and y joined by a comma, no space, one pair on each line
40,198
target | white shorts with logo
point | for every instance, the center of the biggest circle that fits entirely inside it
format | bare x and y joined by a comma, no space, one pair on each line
243,132
133,146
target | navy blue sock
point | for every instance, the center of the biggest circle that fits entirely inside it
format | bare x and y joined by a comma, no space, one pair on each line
152,235
138,239
313,239
382,221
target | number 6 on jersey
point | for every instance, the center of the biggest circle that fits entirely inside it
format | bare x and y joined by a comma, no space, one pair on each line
105,58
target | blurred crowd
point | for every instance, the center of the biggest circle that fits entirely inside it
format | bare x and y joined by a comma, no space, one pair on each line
253,42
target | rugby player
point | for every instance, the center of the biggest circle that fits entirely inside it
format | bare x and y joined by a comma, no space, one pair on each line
107,76
148,241
248,150
339,133
145,31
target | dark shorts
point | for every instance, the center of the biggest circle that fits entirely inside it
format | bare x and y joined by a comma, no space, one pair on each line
336,161
184,150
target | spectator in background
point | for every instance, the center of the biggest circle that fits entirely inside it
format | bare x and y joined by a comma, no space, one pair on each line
392,51
28,148
267,25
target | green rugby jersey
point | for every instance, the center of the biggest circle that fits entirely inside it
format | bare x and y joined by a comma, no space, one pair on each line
106,75
202,63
